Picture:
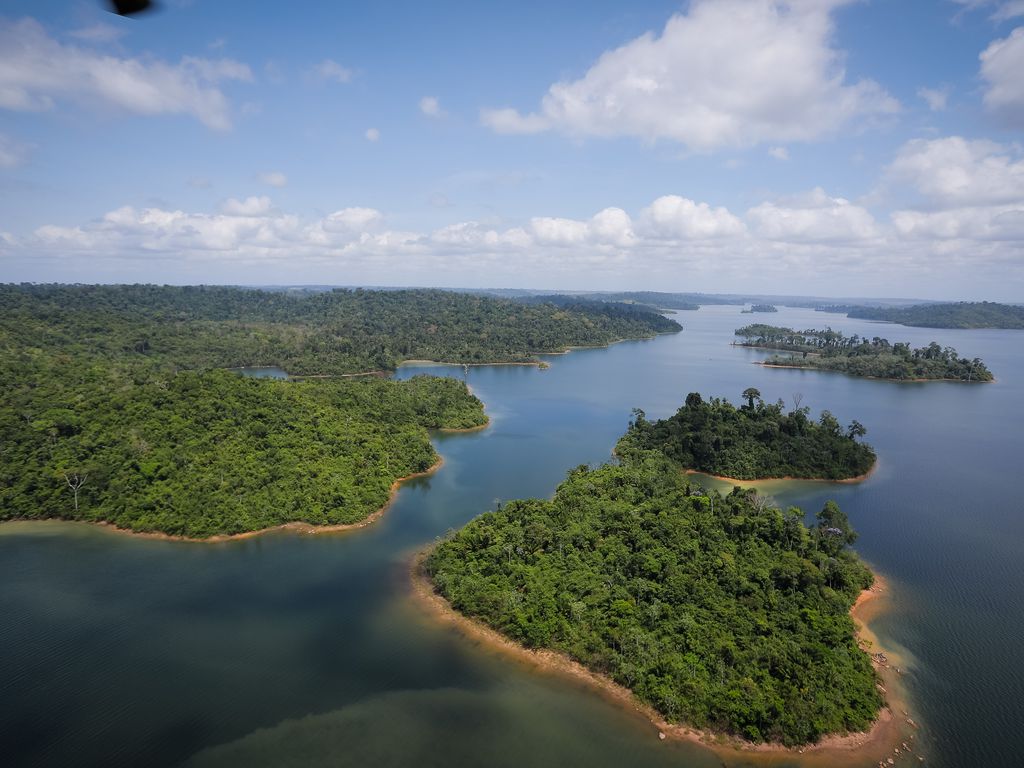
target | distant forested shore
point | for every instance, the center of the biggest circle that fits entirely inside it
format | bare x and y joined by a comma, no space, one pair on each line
963,314
859,356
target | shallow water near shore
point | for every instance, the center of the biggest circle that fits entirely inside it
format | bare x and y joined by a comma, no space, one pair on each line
291,649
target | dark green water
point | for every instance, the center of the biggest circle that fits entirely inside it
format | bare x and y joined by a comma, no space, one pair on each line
307,650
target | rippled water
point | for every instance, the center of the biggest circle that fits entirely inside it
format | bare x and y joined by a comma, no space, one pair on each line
292,649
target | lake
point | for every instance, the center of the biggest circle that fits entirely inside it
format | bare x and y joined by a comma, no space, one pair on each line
290,649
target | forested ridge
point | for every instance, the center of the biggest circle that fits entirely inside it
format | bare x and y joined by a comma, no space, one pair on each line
859,356
333,332
755,441
723,613
963,314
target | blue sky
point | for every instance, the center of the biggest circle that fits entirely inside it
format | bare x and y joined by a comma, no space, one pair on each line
831,147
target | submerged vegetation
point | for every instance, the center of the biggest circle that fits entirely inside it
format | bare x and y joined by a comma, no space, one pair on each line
859,356
723,613
754,441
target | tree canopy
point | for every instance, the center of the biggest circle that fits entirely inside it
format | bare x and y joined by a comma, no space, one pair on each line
755,441
963,314
723,613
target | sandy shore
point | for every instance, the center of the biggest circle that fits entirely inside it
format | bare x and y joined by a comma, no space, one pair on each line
737,481
296,527
889,732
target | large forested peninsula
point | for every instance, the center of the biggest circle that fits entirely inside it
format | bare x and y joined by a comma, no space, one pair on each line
963,314
755,441
859,356
117,409
722,613
204,454
332,332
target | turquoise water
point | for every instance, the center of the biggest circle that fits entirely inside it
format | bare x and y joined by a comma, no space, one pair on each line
292,649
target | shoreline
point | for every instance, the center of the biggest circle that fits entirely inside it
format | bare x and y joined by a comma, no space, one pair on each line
739,481
870,378
883,738
296,526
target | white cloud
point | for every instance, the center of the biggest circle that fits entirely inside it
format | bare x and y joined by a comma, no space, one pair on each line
35,70
956,172
671,217
372,134
274,179
1003,222
431,107
815,217
332,70
352,220
779,153
1004,9
1001,66
251,206
729,73
12,153
935,98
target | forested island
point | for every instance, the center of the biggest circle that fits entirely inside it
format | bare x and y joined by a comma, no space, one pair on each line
767,308
117,409
964,314
756,441
721,613
859,356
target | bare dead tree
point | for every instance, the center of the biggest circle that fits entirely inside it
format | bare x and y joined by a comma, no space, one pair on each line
798,397
75,481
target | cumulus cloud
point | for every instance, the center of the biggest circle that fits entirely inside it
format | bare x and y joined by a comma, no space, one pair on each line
815,217
779,153
729,73
957,172
274,179
1001,66
332,70
372,134
36,69
671,217
431,107
251,206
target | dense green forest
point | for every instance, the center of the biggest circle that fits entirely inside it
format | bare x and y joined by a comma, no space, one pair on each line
117,408
760,308
859,356
964,314
723,613
341,331
754,441
197,454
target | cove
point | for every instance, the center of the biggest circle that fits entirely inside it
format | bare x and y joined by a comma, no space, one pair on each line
294,649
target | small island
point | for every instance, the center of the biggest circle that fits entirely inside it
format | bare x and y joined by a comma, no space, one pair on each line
759,308
756,441
721,613
875,358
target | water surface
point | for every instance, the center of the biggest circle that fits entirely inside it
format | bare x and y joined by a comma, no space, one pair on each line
292,649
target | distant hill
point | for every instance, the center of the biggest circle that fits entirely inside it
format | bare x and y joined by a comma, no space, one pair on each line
964,314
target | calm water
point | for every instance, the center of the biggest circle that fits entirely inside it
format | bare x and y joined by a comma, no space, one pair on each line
297,650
